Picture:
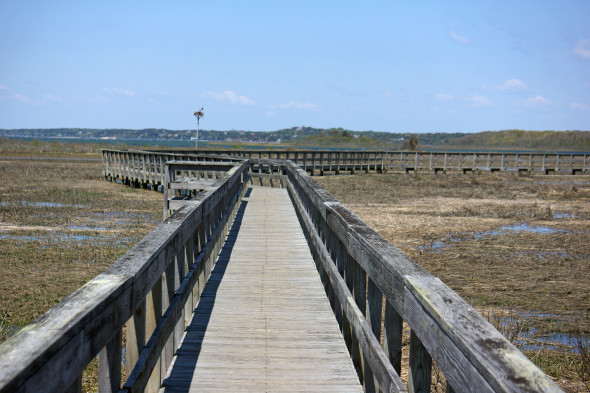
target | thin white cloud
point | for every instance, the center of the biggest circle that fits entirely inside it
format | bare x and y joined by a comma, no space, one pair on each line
229,96
513,84
459,38
444,97
51,97
538,100
21,97
119,91
470,101
582,49
582,107
2,87
478,101
297,105
510,85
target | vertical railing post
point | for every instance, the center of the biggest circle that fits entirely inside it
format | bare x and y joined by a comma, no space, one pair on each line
419,374
374,310
392,337
360,296
109,366
135,337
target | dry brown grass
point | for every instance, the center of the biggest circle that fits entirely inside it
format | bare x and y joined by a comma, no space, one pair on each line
61,224
452,226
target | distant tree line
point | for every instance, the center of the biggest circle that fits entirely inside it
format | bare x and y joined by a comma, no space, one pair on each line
282,135
310,136
537,140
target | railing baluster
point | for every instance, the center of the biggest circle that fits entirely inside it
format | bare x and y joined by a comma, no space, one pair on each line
109,366
374,310
392,336
135,337
419,374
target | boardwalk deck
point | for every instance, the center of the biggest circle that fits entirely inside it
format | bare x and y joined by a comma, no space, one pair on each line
263,322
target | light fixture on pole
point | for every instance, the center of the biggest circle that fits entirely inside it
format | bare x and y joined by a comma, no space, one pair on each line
198,115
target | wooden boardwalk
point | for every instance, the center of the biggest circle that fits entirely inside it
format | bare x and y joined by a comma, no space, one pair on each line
263,322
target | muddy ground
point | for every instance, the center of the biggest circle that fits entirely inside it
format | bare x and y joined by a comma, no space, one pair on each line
517,247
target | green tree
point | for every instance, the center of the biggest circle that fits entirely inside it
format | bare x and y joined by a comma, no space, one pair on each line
412,143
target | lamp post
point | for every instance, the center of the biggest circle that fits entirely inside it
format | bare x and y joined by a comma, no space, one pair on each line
198,114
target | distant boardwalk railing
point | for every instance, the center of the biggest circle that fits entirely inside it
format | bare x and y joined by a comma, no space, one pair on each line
147,168
372,287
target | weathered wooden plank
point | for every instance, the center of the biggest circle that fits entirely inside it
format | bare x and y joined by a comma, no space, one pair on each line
484,348
375,358
172,322
109,366
262,320
392,336
420,371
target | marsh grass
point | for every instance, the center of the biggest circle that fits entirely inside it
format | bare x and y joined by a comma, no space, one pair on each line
61,224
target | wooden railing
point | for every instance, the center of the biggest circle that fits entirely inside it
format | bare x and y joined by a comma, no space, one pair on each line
147,168
373,288
185,179
151,290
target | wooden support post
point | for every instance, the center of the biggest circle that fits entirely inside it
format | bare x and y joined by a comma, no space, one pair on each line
392,337
419,374
360,296
374,309
109,366
154,312
135,340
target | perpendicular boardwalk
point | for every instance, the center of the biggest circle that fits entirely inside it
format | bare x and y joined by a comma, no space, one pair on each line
263,322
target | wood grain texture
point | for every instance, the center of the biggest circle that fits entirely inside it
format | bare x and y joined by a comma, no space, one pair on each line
263,322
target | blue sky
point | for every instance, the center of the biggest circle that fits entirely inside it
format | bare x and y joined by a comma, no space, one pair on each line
385,66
